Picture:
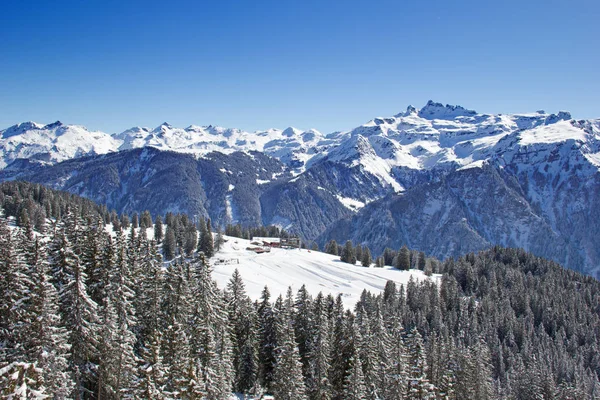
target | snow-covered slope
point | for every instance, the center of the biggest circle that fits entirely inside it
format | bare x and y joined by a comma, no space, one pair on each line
52,143
320,272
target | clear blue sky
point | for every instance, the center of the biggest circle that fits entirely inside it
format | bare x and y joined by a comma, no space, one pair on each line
111,65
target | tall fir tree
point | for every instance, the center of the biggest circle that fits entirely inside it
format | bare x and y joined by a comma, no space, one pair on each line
288,380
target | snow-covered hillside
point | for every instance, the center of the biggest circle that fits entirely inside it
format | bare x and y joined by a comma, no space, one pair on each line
320,272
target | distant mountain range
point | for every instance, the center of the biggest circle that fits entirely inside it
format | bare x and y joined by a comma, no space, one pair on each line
442,179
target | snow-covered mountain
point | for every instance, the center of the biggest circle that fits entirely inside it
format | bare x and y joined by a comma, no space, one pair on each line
435,172
52,143
434,136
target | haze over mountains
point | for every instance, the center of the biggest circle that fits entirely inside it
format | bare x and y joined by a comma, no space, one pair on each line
442,179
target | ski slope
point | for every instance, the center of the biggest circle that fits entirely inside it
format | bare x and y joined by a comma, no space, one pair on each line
320,272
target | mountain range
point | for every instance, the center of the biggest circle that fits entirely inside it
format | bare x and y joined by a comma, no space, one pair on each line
442,179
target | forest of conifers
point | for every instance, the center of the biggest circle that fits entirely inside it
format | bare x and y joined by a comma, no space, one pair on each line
95,313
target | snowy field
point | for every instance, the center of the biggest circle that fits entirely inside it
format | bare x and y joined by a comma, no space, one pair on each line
320,272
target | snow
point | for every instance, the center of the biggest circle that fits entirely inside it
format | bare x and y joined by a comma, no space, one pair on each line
262,182
474,164
349,203
436,135
320,272
558,132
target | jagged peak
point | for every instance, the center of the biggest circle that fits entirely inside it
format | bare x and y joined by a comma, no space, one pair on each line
561,116
194,128
53,125
20,128
433,110
291,132
162,127
410,110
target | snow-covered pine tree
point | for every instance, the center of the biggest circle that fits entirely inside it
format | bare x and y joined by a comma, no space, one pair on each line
354,386
267,338
379,344
46,339
317,382
339,354
118,360
176,311
79,313
418,386
149,294
302,320
21,380
97,255
211,345
242,318
288,382
396,375
15,286
354,383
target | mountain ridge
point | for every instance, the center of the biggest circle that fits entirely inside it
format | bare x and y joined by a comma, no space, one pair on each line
545,167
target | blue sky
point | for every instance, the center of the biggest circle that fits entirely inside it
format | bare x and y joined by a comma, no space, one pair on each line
110,65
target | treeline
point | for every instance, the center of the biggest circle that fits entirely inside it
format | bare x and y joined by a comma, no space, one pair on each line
89,314
239,231
403,259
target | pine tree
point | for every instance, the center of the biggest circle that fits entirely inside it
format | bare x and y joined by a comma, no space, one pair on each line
21,380
366,259
318,385
421,261
358,252
176,312
288,383
354,386
14,292
46,339
211,344
303,325
242,319
79,313
395,375
348,255
332,248
158,229
191,240
118,361
418,385
267,340
206,244
403,259
169,245
342,349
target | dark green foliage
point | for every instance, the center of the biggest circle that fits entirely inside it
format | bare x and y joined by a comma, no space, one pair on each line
348,255
105,316
332,248
366,259
403,259
158,229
